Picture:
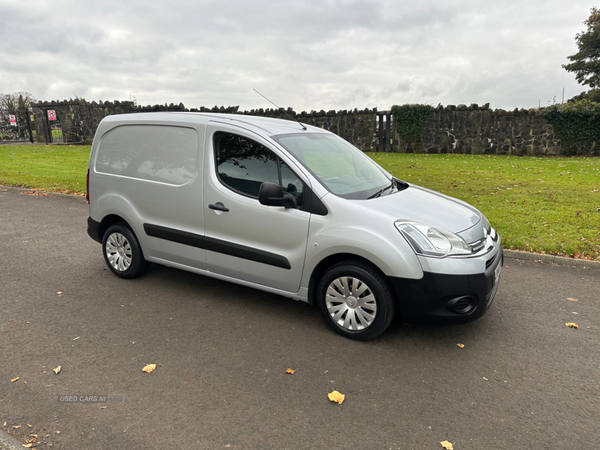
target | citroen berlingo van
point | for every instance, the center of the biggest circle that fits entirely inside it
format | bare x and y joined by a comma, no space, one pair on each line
290,209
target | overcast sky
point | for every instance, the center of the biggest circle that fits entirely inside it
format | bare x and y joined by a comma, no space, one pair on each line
304,54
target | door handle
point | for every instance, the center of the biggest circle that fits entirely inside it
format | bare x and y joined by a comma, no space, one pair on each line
218,207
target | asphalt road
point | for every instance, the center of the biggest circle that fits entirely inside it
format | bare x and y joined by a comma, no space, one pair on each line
522,381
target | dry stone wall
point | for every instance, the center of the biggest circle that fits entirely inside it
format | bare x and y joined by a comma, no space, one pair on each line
451,129
79,119
481,130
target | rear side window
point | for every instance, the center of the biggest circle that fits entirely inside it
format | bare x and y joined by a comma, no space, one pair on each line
243,165
162,153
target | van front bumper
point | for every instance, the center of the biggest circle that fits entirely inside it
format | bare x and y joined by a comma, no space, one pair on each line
447,299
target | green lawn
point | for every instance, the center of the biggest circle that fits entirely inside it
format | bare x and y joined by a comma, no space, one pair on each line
545,205
55,168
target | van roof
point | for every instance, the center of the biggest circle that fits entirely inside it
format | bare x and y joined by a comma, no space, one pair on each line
267,124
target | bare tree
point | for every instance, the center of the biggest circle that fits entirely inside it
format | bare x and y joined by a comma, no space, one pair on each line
17,104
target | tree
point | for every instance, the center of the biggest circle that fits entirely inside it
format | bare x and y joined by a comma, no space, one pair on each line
16,104
586,62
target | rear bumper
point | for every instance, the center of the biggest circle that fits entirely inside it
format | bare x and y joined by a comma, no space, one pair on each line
447,299
92,229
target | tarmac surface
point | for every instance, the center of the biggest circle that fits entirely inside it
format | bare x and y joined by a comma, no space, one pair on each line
524,380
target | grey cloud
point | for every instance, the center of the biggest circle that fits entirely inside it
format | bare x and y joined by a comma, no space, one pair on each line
307,54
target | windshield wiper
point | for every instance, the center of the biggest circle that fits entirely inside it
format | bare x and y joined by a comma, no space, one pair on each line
381,191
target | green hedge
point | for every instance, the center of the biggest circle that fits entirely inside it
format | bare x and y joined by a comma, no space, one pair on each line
410,121
576,124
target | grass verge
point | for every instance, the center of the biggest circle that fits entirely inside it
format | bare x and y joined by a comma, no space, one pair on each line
53,168
543,205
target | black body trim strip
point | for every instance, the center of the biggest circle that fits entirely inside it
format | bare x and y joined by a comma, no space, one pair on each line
171,234
241,251
217,245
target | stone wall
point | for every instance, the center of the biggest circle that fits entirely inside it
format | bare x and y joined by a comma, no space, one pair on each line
451,129
79,119
480,130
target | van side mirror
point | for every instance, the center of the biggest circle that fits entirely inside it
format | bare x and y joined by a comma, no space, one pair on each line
271,194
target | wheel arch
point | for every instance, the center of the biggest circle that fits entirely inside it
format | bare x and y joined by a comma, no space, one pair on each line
331,260
107,222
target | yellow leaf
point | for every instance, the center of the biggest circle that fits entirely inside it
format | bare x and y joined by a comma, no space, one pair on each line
461,345
57,432
76,338
16,426
149,368
447,445
57,370
572,325
27,445
485,378
59,293
30,426
336,396
14,379
573,299
290,371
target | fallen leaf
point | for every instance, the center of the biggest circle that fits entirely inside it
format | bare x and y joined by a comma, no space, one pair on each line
573,299
447,445
14,379
336,396
16,426
30,426
57,432
27,445
103,407
572,325
485,378
57,370
290,371
149,368
4,423
59,293
461,345
76,338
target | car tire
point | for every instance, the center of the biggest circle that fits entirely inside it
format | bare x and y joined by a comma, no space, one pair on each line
122,252
355,300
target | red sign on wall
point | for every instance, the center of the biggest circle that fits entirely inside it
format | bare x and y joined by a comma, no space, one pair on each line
51,114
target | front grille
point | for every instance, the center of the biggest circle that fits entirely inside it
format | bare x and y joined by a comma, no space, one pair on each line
477,246
489,262
491,294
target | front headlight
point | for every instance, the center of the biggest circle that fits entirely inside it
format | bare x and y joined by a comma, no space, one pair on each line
430,241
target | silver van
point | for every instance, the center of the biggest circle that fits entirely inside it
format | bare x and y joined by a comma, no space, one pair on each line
290,209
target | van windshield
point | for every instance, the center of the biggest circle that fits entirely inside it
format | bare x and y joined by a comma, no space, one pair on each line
342,168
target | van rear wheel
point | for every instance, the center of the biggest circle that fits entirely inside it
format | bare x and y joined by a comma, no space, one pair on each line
355,300
122,252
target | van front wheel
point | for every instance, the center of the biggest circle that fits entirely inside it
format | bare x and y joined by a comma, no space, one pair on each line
123,253
355,300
